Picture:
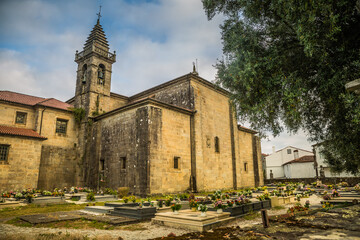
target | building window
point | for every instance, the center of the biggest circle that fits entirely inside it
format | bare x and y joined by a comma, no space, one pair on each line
61,126
245,167
217,145
20,117
4,152
289,151
176,162
123,162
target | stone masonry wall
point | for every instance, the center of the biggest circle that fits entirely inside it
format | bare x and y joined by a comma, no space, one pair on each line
118,137
213,169
180,94
58,167
169,138
22,168
245,155
8,115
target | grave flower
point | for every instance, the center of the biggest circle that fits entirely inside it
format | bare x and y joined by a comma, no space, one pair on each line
193,204
219,205
175,207
202,208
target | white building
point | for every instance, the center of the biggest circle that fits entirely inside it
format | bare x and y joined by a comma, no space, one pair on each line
323,165
275,161
302,167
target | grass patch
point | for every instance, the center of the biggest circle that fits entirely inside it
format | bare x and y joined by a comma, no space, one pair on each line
251,216
280,207
35,209
50,236
77,224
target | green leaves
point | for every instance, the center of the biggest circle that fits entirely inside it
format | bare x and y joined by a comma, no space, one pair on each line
287,62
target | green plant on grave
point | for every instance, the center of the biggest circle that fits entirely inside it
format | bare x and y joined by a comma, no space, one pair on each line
132,198
176,207
123,192
125,199
90,196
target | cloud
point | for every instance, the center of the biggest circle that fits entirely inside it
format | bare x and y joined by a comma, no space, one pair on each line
285,139
155,41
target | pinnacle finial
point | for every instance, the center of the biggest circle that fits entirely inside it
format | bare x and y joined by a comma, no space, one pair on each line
194,69
99,14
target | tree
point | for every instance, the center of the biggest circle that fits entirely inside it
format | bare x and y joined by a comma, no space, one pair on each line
286,64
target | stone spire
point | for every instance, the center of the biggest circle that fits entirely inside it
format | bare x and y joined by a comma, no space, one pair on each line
97,37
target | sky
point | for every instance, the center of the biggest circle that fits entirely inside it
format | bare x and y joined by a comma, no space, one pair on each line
155,41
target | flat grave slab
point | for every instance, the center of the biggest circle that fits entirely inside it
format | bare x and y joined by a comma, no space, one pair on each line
75,215
99,209
52,217
189,220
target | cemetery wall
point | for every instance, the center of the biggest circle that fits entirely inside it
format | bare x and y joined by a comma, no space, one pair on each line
328,180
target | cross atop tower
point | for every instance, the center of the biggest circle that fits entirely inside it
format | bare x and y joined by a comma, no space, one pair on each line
99,14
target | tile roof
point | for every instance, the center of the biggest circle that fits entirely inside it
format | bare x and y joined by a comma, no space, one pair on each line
245,129
14,131
302,159
32,100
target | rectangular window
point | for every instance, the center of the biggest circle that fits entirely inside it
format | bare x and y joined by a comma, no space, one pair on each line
4,152
20,117
123,162
61,126
176,162
217,144
102,165
245,167
289,151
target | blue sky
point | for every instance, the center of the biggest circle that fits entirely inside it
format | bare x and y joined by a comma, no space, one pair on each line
155,41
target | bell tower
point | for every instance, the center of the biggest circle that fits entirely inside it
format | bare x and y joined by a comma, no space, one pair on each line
93,78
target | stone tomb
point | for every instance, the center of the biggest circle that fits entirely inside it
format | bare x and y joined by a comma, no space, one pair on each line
190,220
140,213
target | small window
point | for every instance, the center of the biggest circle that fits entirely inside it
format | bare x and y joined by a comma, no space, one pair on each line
4,152
176,162
245,167
20,118
289,151
123,162
61,126
102,165
217,145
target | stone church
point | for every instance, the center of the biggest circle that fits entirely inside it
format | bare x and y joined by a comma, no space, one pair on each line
177,136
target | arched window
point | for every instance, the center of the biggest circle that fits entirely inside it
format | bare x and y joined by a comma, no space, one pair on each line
83,74
101,74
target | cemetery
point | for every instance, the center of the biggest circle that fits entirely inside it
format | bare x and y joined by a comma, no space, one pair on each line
290,206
